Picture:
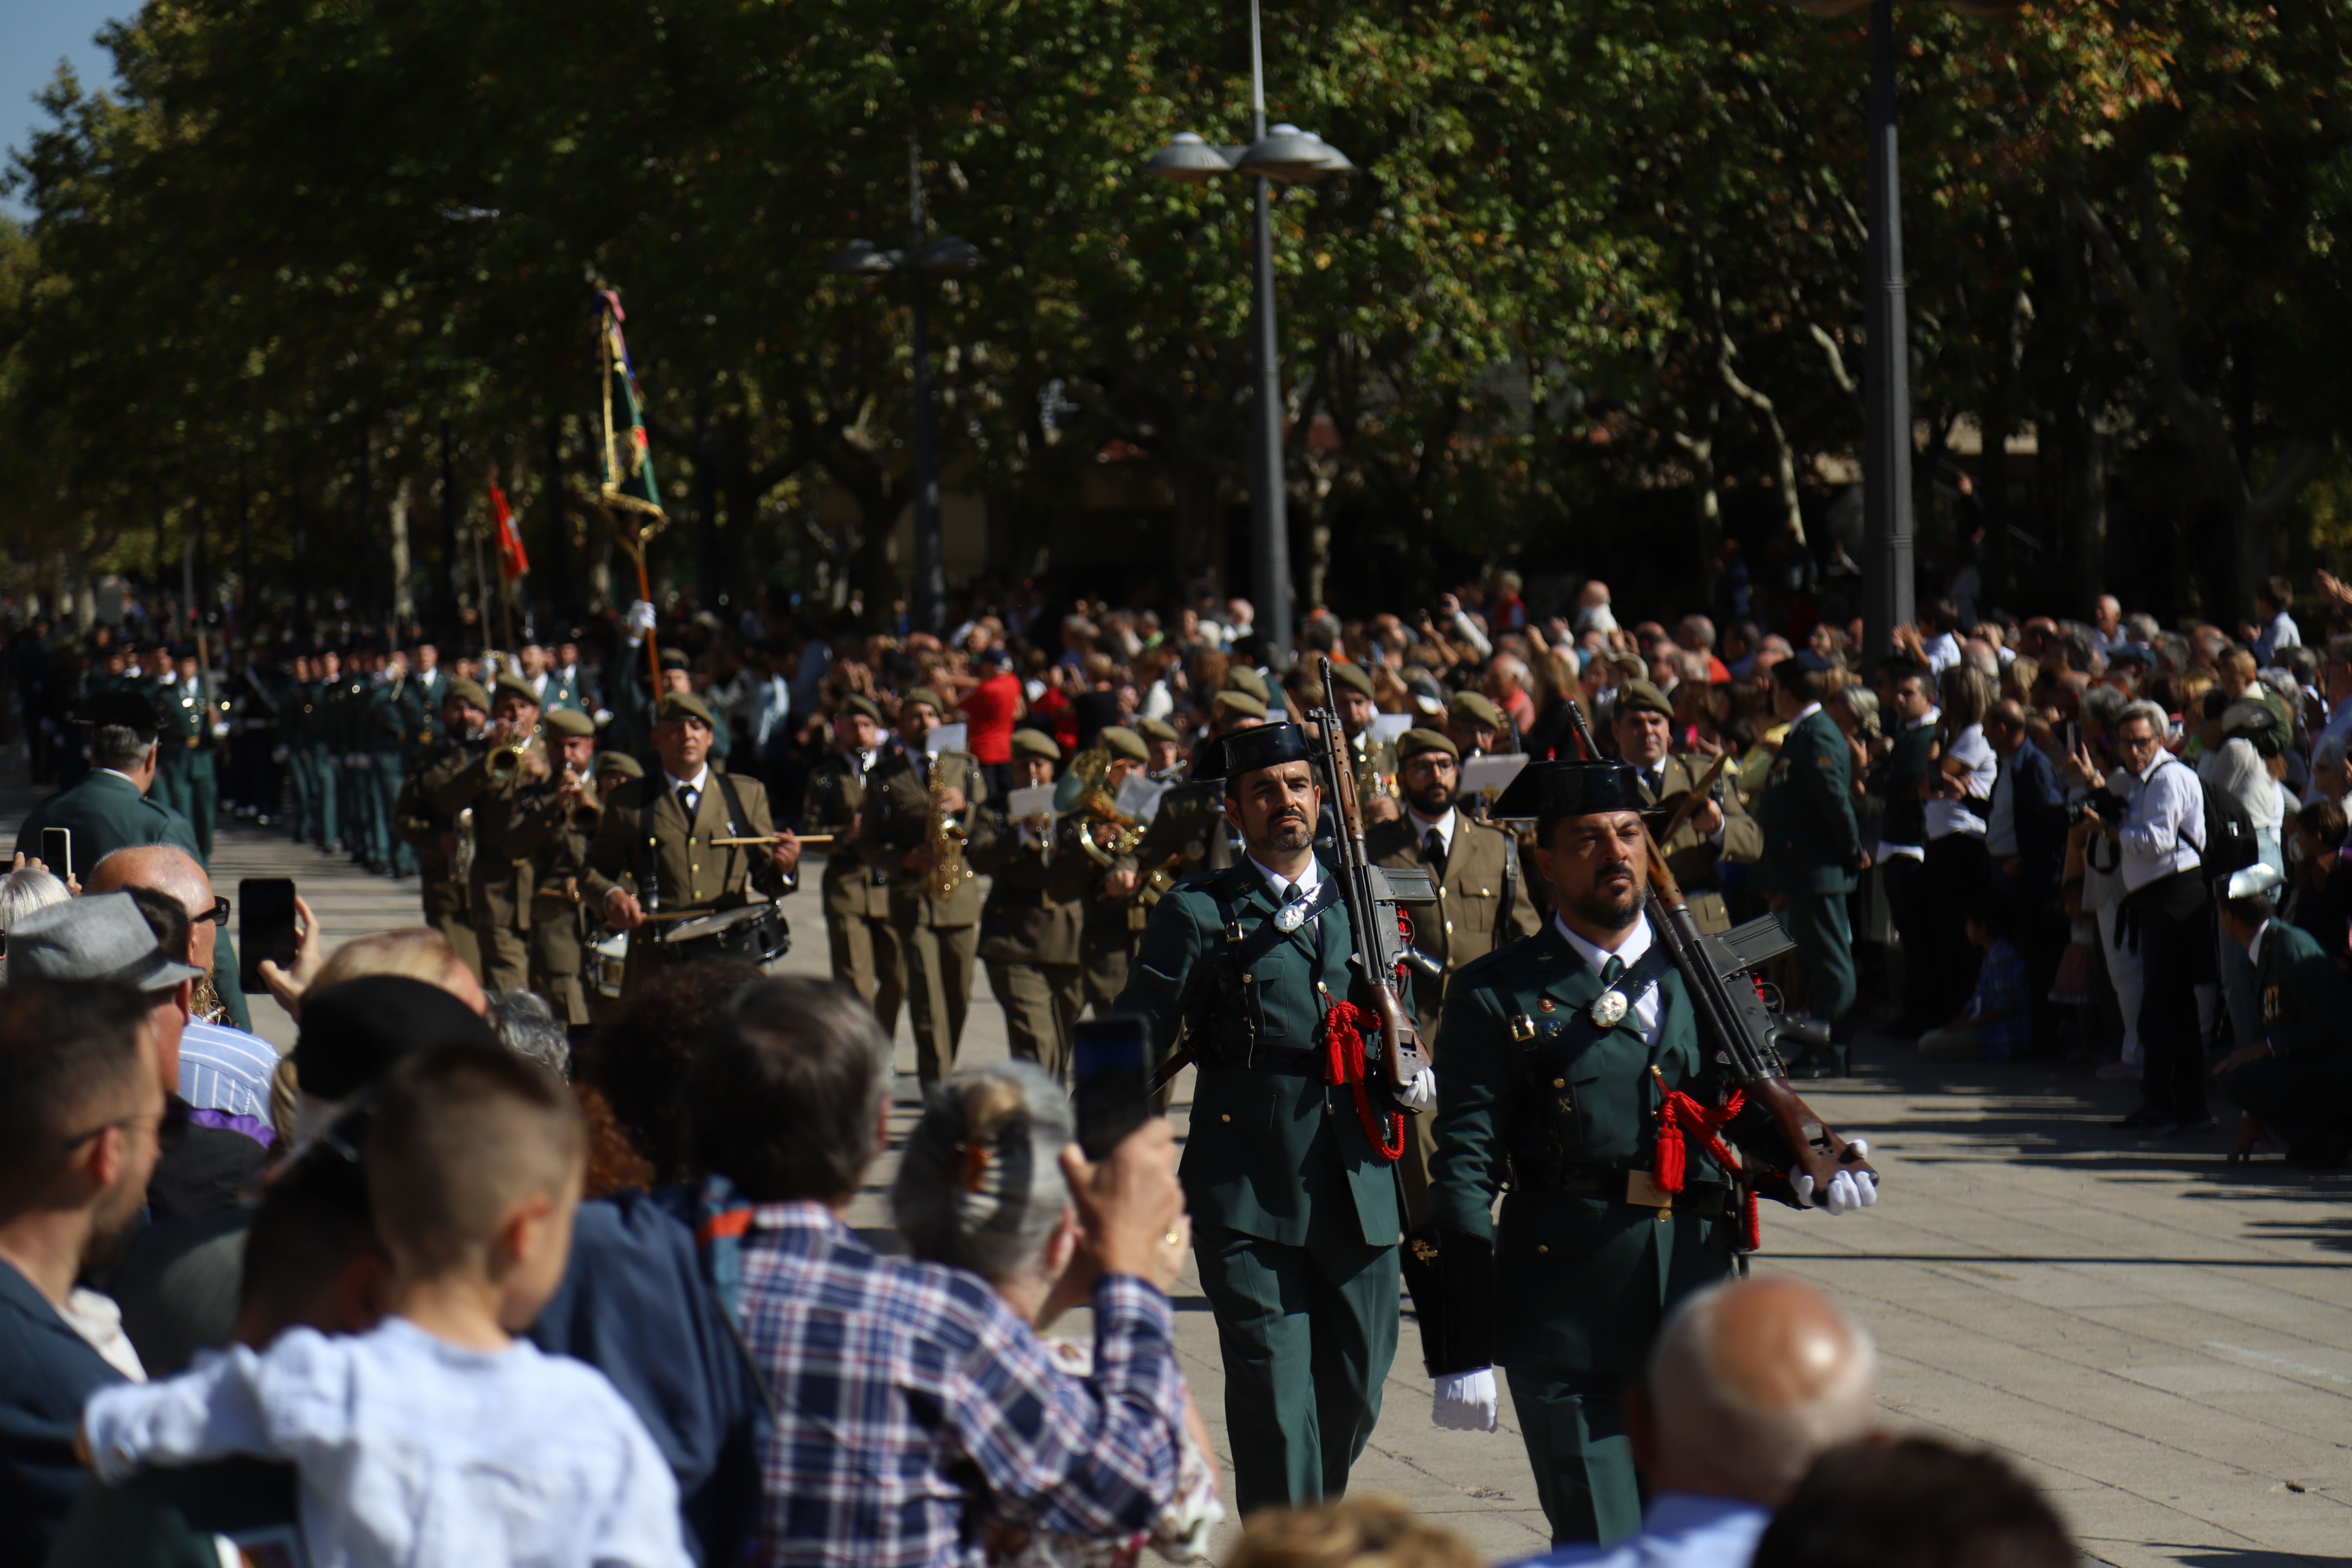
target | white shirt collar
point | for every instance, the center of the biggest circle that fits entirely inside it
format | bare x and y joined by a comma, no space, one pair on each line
1636,944
701,777
1308,880
1444,827
1807,711
2255,948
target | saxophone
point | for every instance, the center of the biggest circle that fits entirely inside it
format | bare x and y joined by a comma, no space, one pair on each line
947,839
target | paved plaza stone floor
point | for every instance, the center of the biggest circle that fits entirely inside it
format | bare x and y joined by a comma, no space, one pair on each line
2164,1341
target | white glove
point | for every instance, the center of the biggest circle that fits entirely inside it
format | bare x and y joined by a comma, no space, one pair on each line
1847,1191
1421,1094
641,617
1466,1401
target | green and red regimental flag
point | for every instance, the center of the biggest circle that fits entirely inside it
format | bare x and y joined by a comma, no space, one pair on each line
512,562
628,478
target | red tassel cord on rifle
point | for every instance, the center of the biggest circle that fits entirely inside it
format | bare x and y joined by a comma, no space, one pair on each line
1682,1118
1344,1027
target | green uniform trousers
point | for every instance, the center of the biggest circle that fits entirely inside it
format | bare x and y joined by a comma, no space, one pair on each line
1817,923
870,958
1575,1432
387,848
187,783
326,816
1307,1334
939,992
1041,1004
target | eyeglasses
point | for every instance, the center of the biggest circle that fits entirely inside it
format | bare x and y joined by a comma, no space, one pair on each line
219,915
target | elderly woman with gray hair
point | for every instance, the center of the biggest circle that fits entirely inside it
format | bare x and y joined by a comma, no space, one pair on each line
23,891
980,1187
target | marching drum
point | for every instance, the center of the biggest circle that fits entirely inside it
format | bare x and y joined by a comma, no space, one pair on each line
608,962
755,933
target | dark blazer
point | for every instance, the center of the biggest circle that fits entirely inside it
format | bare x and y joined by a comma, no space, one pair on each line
47,1373
1810,837
2038,801
106,813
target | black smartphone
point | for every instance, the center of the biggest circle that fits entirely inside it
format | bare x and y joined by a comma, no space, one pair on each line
56,852
265,929
2074,737
1111,1061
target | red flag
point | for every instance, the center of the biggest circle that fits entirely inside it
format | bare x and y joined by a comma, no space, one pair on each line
512,562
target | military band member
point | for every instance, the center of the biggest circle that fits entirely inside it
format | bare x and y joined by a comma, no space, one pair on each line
1029,936
1557,1051
554,826
1719,829
499,890
1375,758
866,953
1165,764
615,769
1294,1215
655,839
187,779
1481,904
1114,921
896,835
1813,849
434,833
1475,723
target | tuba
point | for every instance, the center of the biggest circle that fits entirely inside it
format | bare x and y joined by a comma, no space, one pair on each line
948,837
1082,789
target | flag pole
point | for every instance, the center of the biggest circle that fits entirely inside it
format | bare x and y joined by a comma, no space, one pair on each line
646,511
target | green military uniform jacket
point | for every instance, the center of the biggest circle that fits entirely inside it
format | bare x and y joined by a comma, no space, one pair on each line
852,889
1024,921
185,721
390,722
2304,1003
1580,1281
106,813
1273,1152
1482,899
1692,856
897,817
1811,837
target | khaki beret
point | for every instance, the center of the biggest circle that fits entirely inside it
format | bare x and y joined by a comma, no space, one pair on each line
1241,678
510,686
1121,742
620,763
469,691
1474,707
1353,677
925,694
675,658
1158,729
1036,743
684,705
854,703
570,722
1641,697
1230,705
1414,742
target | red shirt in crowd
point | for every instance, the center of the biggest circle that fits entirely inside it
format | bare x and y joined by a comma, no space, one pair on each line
988,712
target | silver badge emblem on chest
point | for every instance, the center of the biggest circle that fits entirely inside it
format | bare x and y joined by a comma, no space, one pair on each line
1610,1008
1290,916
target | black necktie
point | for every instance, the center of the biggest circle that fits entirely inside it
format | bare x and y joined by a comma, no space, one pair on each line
1434,852
686,797
1290,892
1611,970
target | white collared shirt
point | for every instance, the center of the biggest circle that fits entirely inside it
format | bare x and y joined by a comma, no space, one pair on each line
1444,827
2163,830
698,783
1307,880
2255,948
1648,1007
1807,711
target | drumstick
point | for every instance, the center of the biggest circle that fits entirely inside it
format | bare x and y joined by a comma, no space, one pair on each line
776,838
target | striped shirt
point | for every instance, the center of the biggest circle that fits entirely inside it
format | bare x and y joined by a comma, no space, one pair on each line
227,1069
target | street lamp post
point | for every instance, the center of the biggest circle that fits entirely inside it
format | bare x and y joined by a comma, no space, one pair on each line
946,257
1291,157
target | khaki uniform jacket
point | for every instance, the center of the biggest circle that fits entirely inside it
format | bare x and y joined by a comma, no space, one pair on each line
691,870
1691,856
837,793
417,821
1467,920
503,880
898,818
1024,920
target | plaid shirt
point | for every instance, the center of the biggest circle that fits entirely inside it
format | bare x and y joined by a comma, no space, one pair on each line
911,1404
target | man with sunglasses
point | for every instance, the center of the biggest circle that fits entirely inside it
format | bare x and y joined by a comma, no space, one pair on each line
225,1070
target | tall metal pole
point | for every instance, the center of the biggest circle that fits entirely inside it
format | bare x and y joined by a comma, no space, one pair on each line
1886,459
1269,511
929,611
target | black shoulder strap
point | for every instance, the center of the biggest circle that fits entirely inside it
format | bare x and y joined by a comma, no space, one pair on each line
737,824
649,856
1503,912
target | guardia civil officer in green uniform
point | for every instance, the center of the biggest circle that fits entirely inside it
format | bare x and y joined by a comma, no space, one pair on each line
113,808
2295,1082
319,742
392,725
1557,1051
187,775
1295,1214
1812,847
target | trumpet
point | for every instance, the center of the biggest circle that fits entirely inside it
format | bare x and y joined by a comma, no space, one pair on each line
947,838
582,810
508,759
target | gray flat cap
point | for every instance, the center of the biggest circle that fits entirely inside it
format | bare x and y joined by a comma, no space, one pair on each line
99,937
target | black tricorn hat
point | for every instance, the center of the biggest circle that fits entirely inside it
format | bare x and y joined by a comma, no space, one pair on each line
119,710
1247,751
1570,789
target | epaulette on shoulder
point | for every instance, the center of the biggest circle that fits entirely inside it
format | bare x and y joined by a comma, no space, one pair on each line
1494,959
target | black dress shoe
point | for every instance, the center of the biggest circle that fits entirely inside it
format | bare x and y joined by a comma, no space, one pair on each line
2142,1119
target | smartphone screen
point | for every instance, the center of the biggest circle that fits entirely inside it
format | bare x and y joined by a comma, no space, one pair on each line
56,852
2074,737
1111,1061
265,929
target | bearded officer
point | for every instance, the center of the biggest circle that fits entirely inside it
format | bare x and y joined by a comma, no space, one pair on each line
865,946
1029,929
1295,1212
656,840
1480,901
1717,829
1559,1049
